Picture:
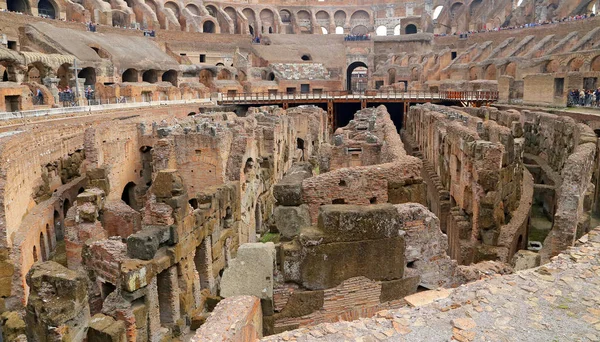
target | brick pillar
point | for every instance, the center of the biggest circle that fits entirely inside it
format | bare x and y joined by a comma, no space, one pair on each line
154,328
203,261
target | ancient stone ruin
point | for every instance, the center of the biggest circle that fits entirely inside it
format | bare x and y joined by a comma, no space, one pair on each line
299,171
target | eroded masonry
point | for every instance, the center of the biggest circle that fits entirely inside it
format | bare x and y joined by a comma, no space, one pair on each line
299,171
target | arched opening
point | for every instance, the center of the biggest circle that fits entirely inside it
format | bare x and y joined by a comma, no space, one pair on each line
173,7
339,30
49,238
595,65
21,6
490,72
392,76
66,207
35,254
43,254
286,16
575,64
381,31
410,29
473,74
34,75
5,76
130,75
224,74
397,30
271,76
128,195
212,10
436,12
150,76
46,9
360,30
206,77
120,18
511,69
251,30
63,75
324,30
360,15
306,57
208,27
357,77
58,230
267,18
551,67
193,9
170,76
89,74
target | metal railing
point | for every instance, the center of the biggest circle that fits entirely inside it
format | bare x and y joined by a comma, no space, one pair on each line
367,95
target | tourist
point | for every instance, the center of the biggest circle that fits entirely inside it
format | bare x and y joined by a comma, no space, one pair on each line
581,97
39,96
598,97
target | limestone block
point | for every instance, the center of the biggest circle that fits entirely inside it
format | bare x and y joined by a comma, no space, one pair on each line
144,244
524,259
289,190
119,219
251,272
237,318
327,265
289,220
57,307
105,329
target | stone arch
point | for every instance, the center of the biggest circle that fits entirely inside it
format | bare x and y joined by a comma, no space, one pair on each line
360,29
242,76
474,6
173,7
170,76
36,72
511,69
63,73
128,195
22,6
66,207
391,75
458,20
224,74
212,10
322,15
490,72
47,8
267,19
232,13
381,31
286,16
43,250
150,76
360,15
206,77
195,10
339,17
595,64
473,73
410,29
152,5
415,74
130,75
249,14
89,74
350,70
209,26
575,64
551,66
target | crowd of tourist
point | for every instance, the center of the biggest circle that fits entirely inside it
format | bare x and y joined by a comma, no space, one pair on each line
584,98
357,37
536,24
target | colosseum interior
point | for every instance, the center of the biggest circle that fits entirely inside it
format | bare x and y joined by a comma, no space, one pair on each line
315,170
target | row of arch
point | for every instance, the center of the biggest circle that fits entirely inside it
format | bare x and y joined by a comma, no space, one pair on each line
46,8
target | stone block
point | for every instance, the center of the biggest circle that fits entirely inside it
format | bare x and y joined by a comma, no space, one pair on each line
251,272
327,265
427,297
167,183
119,219
106,329
237,318
144,244
398,289
289,190
302,303
524,259
289,220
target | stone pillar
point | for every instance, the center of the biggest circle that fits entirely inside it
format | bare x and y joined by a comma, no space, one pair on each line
168,296
68,316
155,332
203,261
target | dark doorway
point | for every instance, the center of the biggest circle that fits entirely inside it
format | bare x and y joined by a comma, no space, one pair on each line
344,112
171,77
46,9
150,76
353,80
130,75
17,6
90,76
12,103
58,230
208,27
410,29
128,195
396,111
